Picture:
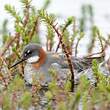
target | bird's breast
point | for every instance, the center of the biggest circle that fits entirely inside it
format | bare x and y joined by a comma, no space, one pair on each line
41,74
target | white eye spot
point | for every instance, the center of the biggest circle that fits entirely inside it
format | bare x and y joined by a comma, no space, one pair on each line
33,59
28,51
25,54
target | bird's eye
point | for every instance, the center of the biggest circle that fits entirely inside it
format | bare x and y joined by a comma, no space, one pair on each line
28,52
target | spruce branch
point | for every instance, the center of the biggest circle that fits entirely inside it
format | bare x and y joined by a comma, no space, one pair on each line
50,20
26,2
13,12
67,23
8,44
32,32
50,38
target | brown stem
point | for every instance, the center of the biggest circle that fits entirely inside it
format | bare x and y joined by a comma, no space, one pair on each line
67,55
102,47
17,35
31,33
58,45
26,12
76,47
102,51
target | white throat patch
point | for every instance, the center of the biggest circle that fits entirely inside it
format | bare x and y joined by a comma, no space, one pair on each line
33,59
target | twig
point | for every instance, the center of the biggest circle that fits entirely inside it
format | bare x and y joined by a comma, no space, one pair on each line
67,55
76,47
31,33
102,51
58,45
7,79
99,36
26,12
106,41
17,35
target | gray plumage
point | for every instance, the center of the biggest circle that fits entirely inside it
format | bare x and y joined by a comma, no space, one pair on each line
56,61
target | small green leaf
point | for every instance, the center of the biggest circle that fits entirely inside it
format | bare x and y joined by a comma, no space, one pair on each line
49,95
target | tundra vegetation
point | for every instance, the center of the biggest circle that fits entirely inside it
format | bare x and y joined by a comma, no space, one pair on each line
27,28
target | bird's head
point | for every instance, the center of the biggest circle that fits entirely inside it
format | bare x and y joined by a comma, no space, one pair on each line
32,53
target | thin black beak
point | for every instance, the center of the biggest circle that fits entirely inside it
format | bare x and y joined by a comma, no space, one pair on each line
18,62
